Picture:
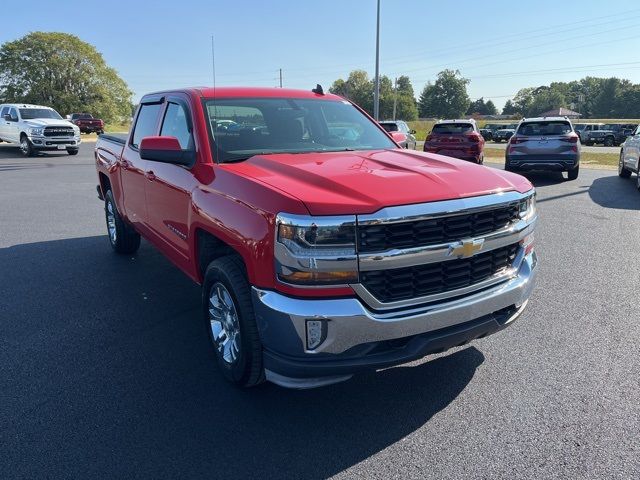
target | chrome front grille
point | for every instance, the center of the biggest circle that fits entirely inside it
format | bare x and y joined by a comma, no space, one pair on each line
431,231
58,132
434,278
417,254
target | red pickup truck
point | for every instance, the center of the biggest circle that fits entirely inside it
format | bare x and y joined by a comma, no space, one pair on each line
87,123
323,248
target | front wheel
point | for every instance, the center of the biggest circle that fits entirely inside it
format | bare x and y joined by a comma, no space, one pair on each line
573,173
122,237
230,322
608,142
623,172
26,148
72,151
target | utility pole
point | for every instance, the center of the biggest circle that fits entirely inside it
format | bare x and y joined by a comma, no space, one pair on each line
280,78
395,97
376,91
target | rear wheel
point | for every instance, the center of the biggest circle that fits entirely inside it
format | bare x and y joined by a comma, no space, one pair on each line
230,322
623,172
122,237
573,173
26,148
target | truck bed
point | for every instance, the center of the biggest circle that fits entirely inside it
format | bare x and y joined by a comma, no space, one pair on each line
119,138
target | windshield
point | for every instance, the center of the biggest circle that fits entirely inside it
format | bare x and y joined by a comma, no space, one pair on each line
243,127
33,113
544,128
82,116
452,128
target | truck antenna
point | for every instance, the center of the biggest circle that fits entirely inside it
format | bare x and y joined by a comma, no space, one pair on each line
215,107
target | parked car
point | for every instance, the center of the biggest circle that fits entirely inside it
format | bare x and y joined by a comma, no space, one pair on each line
456,138
400,126
319,255
594,133
486,133
630,157
504,133
548,143
37,128
620,132
87,123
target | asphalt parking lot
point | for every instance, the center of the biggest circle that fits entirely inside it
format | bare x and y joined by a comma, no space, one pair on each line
105,370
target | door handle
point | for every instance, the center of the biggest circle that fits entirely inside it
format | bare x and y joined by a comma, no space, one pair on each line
150,176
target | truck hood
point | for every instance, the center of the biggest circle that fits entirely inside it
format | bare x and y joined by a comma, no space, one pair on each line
335,183
48,122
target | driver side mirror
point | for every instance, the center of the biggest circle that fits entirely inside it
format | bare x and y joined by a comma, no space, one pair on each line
166,150
412,132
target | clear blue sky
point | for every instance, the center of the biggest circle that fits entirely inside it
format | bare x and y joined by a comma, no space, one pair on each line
501,46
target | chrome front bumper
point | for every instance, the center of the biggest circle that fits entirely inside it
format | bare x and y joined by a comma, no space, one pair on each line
51,143
351,326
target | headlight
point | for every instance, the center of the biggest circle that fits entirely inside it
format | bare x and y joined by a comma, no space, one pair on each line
76,130
528,207
36,131
316,250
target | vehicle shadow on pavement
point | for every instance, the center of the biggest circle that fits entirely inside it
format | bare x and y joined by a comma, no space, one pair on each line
543,179
106,372
13,152
615,192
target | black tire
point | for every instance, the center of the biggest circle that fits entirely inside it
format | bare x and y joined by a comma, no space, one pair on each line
26,148
247,369
573,173
608,142
623,172
588,143
126,240
72,151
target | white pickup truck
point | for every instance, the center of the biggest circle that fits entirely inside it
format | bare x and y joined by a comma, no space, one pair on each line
34,128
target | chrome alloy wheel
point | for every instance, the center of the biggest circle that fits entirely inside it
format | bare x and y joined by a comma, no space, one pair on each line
225,324
111,223
24,146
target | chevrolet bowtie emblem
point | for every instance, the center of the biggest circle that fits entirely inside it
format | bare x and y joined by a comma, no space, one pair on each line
466,248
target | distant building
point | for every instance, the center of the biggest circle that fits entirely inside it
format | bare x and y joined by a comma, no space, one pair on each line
561,112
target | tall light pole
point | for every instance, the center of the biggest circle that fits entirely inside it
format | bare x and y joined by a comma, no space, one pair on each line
376,91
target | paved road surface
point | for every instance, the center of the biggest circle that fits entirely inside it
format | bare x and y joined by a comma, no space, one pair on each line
105,371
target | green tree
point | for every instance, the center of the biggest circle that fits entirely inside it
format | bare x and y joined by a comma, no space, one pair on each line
546,100
490,108
509,108
482,108
62,71
357,88
406,107
446,97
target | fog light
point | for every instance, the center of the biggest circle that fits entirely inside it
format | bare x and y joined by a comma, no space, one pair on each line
316,333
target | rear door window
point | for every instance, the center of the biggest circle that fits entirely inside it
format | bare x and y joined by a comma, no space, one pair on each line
544,129
452,128
390,127
146,123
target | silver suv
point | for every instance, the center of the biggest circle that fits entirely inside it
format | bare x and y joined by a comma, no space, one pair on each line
35,128
547,143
